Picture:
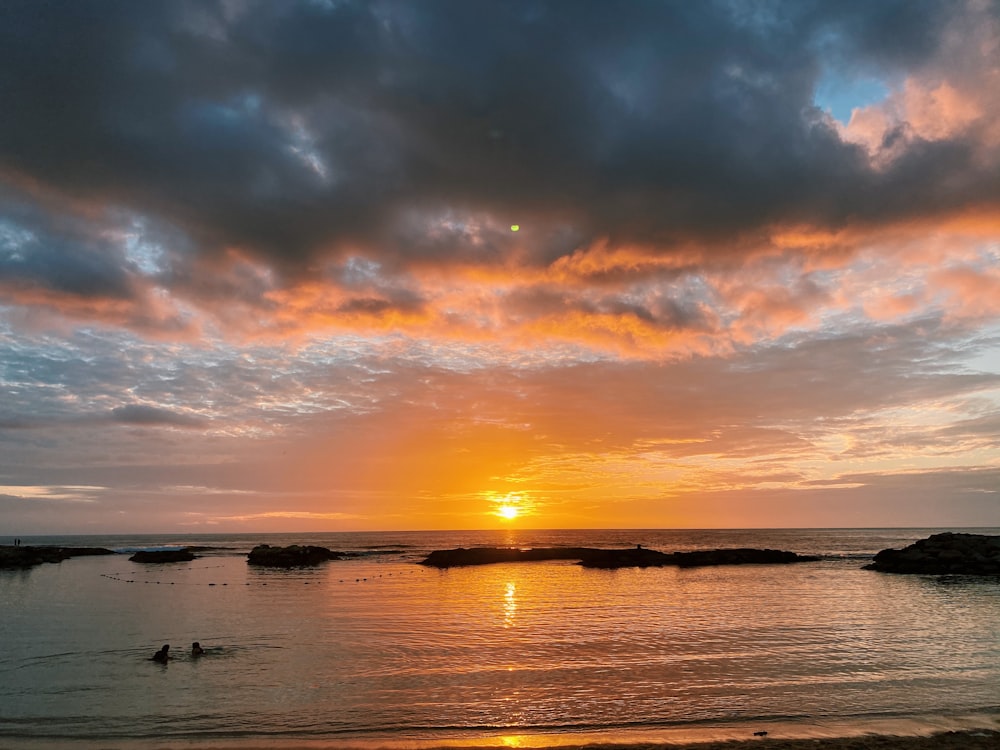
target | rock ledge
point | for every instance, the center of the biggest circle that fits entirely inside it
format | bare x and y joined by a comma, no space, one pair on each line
163,556
949,552
293,556
632,557
28,556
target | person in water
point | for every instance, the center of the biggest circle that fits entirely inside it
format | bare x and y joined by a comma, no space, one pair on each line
196,649
162,656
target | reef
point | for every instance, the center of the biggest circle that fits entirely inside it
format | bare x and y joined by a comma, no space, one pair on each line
293,556
26,556
448,558
945,553
163,556
699,558
632,557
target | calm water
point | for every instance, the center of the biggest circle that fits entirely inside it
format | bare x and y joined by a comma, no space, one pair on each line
380,648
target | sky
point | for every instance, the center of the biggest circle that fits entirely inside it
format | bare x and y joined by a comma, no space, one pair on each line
332,265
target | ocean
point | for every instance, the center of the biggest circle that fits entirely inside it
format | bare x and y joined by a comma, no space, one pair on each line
378,649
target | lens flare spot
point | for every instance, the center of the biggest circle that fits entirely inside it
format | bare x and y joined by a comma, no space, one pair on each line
515,227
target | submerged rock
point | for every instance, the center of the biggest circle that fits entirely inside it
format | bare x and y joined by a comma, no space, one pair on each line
449,558
293,556
163,556
28,556
632,557
949,552
741,556
700,558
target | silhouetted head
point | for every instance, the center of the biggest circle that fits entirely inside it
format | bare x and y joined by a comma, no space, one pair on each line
166,647
196,645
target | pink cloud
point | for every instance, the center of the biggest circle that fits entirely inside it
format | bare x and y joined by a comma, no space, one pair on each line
972,294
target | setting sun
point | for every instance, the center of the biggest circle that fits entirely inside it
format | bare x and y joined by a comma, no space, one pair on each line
510,505
508,511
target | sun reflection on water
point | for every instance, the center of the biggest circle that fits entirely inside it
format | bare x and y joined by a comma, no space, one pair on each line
510,605
513,740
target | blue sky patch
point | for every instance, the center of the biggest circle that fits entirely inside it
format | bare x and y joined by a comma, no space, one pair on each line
840,95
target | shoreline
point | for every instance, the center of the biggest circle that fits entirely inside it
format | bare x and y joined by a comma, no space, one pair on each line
979,731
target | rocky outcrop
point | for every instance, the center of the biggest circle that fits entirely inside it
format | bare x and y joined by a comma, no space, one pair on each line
741,556
293,556
449,558
632,557
698,558
954,553
163,556
27,556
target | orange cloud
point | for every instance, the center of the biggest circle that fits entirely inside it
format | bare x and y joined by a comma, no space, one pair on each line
938,112
152,314
972,294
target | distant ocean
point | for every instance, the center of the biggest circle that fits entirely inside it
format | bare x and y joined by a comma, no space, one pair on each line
379,649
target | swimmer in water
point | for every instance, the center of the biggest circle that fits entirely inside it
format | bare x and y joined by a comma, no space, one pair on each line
162,656
196,649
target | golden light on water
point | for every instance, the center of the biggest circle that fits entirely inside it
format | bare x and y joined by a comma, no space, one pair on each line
510,605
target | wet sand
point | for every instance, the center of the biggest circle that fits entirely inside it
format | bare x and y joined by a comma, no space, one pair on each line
970,740
980,731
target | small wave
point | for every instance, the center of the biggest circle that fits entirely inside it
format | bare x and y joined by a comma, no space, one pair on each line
155,548
867,556
369,552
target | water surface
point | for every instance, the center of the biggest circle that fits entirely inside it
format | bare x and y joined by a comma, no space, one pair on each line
381,648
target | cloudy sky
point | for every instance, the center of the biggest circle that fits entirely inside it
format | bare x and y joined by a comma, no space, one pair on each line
259,267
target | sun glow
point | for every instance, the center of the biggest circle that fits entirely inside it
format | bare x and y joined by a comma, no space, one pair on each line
510,506
509,512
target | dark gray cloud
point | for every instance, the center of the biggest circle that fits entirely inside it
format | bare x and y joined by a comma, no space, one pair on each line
292,130
661,311
56,252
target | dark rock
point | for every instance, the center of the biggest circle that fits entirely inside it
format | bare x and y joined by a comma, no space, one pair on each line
949,552
293,556
631,557
163,556
85,551
740,556
644,558
448,558
27,556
